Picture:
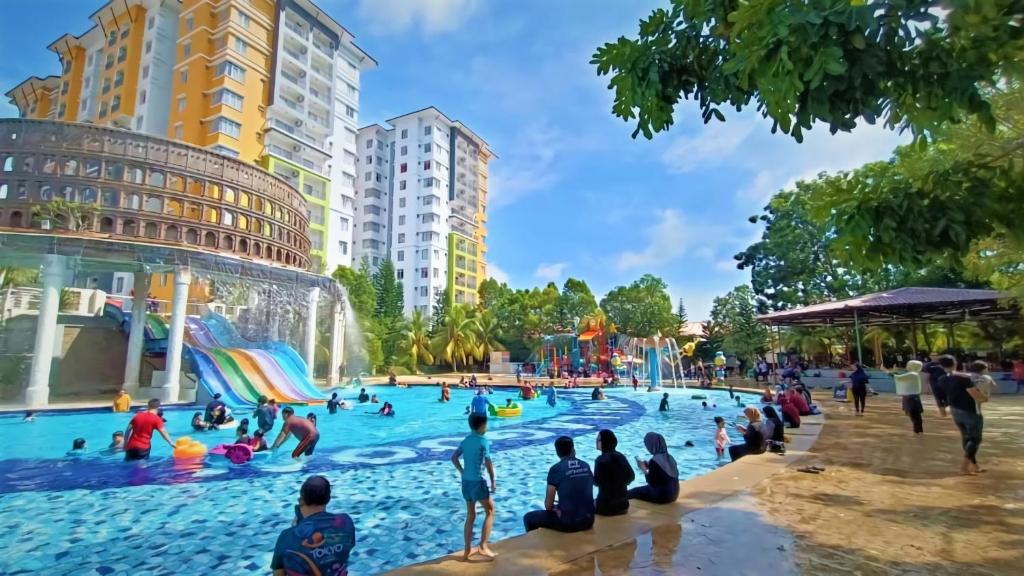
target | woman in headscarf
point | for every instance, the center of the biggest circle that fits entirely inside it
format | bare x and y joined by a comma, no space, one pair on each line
661,472
859,388
753,436
612,475
774,431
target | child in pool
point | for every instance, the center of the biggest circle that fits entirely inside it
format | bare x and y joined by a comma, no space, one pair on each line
30,416
116,442
242,432
721,437
739,403
77,448
508,402
258,443
198,423
374,400
704,405
663,407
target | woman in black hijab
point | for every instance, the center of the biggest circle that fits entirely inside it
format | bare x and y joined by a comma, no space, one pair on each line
612,474
661,472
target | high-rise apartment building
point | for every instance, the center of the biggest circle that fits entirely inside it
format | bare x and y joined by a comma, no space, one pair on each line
272,82
422,201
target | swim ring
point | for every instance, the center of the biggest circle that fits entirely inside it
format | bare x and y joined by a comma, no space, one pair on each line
186,447
506,412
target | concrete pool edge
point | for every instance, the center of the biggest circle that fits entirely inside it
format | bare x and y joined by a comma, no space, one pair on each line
543,551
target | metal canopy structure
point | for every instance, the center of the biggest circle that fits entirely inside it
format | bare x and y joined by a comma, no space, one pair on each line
902,306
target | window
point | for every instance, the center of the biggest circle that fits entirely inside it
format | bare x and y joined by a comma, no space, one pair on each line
106,85
436,272
138,122
405,133
112,38
226,126
400,273
367,177
241,46
401,239
424,255
401,186
232,70
401,222
85,105
404,150
229,98
244,19
122,54
186,49
110,62
115,104
369,159
145,72
181,103
343,224
424,272
426,164
401,201
403,167
427,147
150,22
124,33
380,177
142,97
343,247
63,108
149,46
103,110
352,90
426,130
437,255
64,87
189,23
183,77
350,112
369,144
225,151
179,132
119,78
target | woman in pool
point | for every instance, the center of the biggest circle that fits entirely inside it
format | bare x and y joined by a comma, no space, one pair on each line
242,432
77,448
612,475
661,472
753,436
386,410
198,424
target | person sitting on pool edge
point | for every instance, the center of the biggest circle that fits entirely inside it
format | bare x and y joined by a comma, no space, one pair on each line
661,473
753,436
303,430
612,476
122,402
319,542
363,396
573,483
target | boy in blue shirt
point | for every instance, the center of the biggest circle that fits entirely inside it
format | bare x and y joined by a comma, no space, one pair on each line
475,451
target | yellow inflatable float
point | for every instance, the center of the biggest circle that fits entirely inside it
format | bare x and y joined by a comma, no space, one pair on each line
186,447
506,411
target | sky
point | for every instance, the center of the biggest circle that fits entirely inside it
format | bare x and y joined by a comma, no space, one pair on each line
572,194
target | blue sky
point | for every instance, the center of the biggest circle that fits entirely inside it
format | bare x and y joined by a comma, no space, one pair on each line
572,194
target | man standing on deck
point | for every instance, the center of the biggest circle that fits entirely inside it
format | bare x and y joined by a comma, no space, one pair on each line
139,434
303,430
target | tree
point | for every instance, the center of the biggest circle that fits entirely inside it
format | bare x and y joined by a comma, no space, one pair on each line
362,297
439,311
802,62
736,315
416,341
575,302
681,314
388,310
641,309
456,343
60,213
488,335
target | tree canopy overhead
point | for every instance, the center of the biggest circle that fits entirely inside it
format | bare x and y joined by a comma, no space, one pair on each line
641,309
804,61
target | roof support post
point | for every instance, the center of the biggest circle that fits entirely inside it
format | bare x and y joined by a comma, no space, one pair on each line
856,334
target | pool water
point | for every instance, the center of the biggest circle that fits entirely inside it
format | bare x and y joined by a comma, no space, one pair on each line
100,515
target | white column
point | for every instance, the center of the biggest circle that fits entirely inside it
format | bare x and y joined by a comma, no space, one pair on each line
136,334
37,394
310,347
337,344
168,391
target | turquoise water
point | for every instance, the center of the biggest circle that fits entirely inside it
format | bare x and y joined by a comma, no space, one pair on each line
100,515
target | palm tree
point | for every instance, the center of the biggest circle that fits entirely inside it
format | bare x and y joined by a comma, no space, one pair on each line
487,334
415,341
456,340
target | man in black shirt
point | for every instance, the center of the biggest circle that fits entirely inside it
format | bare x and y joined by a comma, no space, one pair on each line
964,398
935,372
573,483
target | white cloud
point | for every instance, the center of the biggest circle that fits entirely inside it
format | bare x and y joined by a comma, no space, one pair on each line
493,271
527,167
550,272
428,16
708,148
670,237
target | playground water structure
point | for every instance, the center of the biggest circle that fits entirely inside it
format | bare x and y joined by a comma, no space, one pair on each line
654,360
71,512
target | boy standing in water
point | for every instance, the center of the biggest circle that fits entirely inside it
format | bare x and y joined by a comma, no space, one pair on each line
475,451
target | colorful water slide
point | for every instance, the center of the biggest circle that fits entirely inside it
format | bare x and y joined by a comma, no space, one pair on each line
155,341
226,362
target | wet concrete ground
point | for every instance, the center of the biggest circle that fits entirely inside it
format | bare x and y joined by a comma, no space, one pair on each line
888,503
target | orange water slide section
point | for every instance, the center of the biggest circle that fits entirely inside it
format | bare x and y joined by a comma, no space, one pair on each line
255,375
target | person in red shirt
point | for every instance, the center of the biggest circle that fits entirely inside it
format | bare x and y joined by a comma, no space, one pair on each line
303,430
799,401
1018,373
139,434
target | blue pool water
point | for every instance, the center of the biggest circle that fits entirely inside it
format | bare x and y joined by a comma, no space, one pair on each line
100,515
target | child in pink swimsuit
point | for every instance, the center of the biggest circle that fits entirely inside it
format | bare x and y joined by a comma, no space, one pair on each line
721,437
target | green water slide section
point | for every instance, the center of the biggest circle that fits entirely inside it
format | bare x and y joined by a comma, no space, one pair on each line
234,374
157,326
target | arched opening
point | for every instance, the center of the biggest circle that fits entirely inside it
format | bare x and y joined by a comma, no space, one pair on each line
172,207
228,243
111,198
257,249
129,228
156,178
9,164
229,218
89,195
153,204
14,220
191,236
212,215
107,225
134,202
280,255
268,252
172,233
151,230
193,212
243,245
210,240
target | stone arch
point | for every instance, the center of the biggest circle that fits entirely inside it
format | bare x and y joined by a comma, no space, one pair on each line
210,240
129,228
172,233
151,230
107,225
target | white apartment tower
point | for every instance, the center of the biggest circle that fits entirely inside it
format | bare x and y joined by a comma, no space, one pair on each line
412,206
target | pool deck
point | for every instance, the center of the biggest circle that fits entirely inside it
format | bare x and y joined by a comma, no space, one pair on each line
546,551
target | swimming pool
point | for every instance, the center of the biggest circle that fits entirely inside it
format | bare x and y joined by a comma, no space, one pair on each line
104,516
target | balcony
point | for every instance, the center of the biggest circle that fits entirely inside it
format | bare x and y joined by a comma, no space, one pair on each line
323,96
295,54
296,29
300,82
